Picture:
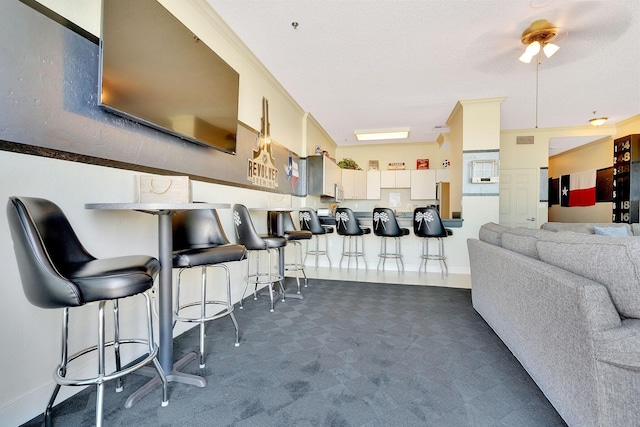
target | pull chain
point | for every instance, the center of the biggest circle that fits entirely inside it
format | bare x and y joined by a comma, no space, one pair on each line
537,80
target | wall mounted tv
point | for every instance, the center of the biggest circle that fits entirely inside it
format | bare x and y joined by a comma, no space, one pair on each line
154,70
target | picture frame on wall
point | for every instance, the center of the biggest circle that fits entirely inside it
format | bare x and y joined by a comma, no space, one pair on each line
374,165
604,185
422,164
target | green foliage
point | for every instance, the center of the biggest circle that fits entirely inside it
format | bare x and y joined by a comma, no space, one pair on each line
348,163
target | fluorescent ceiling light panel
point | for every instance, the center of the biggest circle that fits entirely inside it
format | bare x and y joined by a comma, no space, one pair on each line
378,134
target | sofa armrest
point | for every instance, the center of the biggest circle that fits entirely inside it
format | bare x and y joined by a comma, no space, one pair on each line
599,309
620,346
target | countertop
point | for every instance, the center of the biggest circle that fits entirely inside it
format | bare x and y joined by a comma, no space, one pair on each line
401,216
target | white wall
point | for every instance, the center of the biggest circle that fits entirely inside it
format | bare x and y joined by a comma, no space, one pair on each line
396,152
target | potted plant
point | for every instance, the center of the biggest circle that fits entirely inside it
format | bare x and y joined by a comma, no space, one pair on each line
348,163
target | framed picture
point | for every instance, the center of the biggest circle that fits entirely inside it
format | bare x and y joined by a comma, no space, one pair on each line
396,166
422,164
604,185
373,165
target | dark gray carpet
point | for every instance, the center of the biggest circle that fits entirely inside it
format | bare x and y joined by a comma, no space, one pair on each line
349,354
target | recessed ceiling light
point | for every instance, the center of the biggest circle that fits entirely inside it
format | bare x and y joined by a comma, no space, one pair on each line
379,134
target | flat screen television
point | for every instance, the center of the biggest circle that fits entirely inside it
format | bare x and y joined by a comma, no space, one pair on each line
154,70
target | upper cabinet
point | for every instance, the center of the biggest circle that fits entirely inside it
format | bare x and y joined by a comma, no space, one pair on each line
443,175
354,183
322,176
395,179
373,185
423,184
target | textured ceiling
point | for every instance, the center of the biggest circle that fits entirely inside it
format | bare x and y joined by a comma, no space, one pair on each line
369,64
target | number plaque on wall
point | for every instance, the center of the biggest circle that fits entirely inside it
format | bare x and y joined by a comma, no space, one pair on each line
626,179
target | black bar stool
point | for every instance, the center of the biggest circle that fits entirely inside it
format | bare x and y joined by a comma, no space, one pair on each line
199,241
386,226
294,237
57,272
349,228
428,225
246,235
309,221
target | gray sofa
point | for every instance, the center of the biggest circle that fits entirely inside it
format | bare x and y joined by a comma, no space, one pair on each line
567,305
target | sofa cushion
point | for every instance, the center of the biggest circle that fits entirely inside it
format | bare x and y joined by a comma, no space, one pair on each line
582,227
613,262
617,231
523,240
492,233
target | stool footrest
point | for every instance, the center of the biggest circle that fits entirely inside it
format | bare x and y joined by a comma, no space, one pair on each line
70,381
201,319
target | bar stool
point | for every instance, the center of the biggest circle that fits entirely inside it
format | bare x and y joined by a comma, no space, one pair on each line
199,241
57,272
428,225
294,237
309,221
349,228
246,235
386,226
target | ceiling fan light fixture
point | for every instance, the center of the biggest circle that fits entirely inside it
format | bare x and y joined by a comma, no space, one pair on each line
525,57
379,134
531,51
598,121
549,49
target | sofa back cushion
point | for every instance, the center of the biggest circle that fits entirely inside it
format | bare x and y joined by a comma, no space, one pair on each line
492,233
584,228
523,240
611,261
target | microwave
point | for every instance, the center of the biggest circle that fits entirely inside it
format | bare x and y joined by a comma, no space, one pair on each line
339,193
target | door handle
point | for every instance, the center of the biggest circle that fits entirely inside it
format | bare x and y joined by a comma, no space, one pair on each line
531,219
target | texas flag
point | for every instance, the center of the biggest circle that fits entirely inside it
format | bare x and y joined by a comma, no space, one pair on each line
582,188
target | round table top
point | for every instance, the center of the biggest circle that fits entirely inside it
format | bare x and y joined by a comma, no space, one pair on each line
157,206
280,209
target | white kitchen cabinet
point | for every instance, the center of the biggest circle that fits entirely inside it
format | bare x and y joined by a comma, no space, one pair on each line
423,184
387,179
373,185
443,175
354,183
403,179
395,179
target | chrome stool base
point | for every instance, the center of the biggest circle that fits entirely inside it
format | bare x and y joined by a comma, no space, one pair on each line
203,317
258,278
440,257
352,252
60,374
384,254
297,266
317,252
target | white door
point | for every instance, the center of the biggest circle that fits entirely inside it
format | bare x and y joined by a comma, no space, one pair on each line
519,197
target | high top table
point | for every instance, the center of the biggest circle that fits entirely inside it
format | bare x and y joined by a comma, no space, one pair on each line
165,287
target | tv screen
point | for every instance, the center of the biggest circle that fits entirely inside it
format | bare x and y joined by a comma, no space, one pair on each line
154,70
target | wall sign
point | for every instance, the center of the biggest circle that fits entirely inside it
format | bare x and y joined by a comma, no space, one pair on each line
262,169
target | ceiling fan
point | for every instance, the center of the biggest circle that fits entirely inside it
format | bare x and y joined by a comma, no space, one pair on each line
538,36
